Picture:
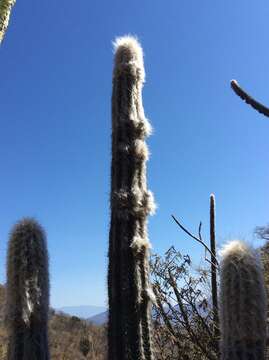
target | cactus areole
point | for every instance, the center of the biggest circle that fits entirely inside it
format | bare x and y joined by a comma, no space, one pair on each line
129,328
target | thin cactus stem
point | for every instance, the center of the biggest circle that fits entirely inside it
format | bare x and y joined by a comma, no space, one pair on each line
5,10
243,304
248,99
214,286
129,327
27,292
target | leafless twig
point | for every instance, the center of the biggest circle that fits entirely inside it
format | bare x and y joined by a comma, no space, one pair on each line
198,239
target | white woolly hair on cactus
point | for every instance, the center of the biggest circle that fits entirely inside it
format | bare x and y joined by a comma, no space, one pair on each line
129,51
236,248
5,11
139,243
129,325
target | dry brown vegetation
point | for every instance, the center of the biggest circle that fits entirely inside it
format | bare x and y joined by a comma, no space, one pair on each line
69,337
183,313
183,318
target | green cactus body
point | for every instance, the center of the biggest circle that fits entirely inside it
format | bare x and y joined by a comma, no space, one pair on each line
27,292
242,304
5,10
129,289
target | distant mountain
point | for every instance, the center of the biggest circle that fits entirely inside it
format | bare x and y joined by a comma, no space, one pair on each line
102,318
83,311
99,319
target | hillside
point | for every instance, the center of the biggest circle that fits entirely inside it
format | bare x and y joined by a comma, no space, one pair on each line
99,319
65,334
82,311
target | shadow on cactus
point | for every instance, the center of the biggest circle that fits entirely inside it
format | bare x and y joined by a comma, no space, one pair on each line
27,292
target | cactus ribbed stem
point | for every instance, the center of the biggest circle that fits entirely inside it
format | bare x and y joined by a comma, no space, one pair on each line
214,264
27,292
243,304
129,291
5,10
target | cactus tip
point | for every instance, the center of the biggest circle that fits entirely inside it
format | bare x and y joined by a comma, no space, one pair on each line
27,224
234,82
236,248
128,51
212,196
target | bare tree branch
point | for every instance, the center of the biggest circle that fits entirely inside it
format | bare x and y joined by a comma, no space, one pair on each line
165,318
211,263
198,239
185,316
182,311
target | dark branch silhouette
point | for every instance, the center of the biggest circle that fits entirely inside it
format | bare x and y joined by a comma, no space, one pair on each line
198,239
248,99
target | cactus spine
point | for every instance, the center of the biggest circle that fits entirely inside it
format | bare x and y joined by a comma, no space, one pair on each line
27,292
5,10
243,304
129,291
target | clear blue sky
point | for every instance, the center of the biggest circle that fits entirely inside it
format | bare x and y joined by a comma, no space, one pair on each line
56,64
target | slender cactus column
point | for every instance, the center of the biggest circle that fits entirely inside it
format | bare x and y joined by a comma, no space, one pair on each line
214,288
129,327
5,10
27,292
243,304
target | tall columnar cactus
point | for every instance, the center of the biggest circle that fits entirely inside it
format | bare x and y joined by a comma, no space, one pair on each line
5,10
27,292
214,264
243,304
131,202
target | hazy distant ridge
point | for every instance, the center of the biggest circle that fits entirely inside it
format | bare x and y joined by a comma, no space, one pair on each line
99,319
82,311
